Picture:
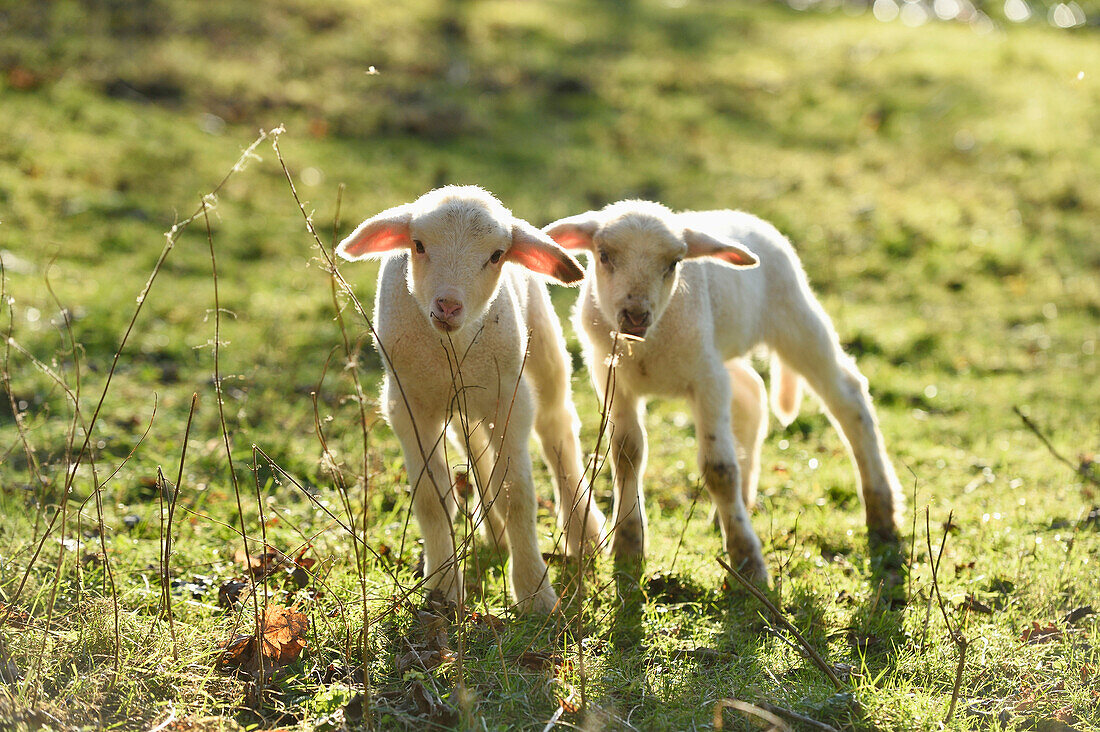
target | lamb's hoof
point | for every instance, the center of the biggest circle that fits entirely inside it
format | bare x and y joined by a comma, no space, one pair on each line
753,569
447,589
543,601
883,541
589,541
438,603
628,542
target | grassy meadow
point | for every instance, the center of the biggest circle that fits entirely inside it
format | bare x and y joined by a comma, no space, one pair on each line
941,185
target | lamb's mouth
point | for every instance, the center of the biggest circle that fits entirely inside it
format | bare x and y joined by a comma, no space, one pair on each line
443,325
634,331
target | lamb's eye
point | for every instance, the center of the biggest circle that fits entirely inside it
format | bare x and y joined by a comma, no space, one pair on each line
496,256
672,267
419,246
604,259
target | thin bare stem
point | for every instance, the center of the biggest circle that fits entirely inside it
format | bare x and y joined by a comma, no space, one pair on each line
778,616
225,438
956,637
750,709
1081,469
800,718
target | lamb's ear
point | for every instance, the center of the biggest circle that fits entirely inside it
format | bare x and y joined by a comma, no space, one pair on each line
574,232
378,235
719,247
537,252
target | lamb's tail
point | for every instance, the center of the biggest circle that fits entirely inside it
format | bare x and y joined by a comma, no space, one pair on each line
786,391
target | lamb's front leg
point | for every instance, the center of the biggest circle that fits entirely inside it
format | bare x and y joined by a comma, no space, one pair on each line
628,456
530,577
721,472
433,498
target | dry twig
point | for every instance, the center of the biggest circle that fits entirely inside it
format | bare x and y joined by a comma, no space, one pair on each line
956,637
1082,469
813,654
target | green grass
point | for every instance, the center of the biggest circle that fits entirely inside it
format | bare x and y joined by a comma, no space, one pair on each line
942,188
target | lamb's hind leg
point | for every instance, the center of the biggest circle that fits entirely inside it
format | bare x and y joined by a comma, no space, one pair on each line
814,351
750,424
486,476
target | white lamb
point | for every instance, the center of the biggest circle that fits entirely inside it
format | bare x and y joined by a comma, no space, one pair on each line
687,320
473,347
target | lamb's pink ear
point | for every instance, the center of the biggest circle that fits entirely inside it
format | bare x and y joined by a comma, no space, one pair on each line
719,247
574,232
378,235
537,252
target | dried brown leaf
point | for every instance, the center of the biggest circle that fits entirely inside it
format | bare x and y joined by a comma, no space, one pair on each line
239,651
1041,634
539,660
1078,614
486,620
229,594
302,560
260,565
284,633
974,605
16,618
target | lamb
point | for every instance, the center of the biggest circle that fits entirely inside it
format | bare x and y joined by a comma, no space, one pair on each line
472,347
678,297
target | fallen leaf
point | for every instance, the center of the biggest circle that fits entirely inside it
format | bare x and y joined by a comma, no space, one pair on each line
433,629
259,565
284,633
486,620
1078,614
539,660
14,617
435,602
22,78
974,605
423,658
229,594
862,641
844,671
426,702
1041,634
240,651
353,711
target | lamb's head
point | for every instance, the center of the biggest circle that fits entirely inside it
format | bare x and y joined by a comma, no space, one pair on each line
635,249
458,238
